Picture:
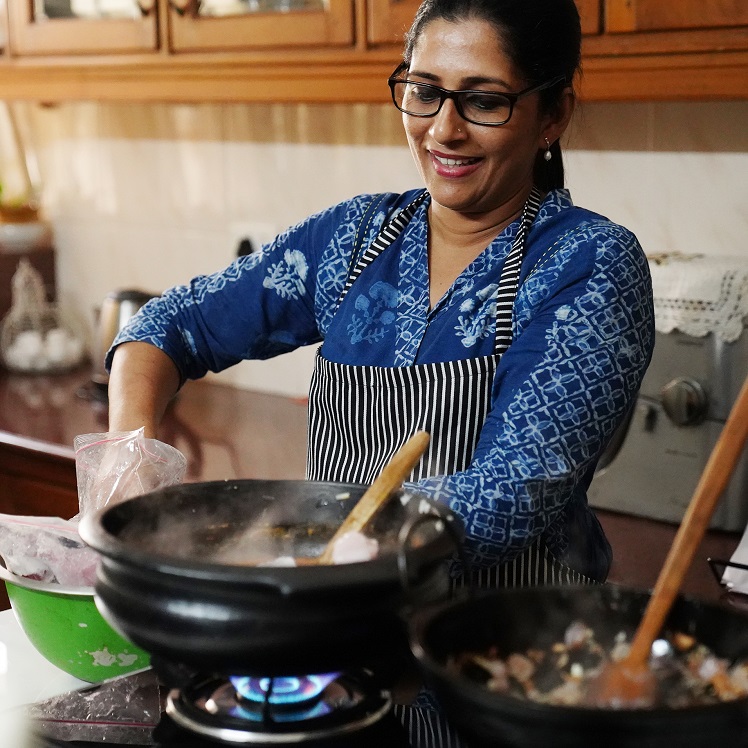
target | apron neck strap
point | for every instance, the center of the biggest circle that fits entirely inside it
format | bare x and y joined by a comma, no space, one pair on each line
509,282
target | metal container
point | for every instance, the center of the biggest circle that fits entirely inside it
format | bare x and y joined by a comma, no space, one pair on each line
116,310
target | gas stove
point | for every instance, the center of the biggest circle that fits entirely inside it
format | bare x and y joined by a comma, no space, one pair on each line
317,711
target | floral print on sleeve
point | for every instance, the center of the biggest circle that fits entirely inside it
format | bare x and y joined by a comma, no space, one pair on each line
287,277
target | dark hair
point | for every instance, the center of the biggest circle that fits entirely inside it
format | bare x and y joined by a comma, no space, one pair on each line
543,40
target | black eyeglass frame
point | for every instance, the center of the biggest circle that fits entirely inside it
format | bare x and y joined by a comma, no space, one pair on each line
454,95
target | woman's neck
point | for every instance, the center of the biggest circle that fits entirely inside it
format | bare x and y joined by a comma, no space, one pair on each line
456,239
467,228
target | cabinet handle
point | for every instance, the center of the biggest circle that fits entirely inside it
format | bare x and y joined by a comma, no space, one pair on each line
146,6
186,7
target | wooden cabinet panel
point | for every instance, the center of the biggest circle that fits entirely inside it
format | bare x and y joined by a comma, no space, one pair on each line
389,20
331,26
590,16
178,26
658,15
36,498
36,482
343,51
32,36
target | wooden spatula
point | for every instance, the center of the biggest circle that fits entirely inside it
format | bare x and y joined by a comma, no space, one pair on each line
629,682
388,481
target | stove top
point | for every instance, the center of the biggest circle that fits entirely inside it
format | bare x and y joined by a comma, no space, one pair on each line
137,710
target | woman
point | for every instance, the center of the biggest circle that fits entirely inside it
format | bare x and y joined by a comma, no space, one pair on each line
486,309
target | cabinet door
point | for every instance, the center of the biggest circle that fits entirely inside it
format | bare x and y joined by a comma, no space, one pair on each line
242,25
388,20
47,27
671,15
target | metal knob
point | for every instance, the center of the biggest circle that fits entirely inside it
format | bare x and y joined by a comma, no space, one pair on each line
685,401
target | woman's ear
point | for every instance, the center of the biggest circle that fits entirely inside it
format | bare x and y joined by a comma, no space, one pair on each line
557,119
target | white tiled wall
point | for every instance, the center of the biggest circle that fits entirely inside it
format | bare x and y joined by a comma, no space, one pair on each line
147,196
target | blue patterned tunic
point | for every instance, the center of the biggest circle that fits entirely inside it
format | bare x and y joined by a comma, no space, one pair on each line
583,333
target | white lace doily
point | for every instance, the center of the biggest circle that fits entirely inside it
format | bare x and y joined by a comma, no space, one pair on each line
697,294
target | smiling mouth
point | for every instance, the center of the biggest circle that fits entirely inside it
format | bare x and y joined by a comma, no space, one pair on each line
455,161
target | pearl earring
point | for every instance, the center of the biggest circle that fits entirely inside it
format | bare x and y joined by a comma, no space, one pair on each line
547,155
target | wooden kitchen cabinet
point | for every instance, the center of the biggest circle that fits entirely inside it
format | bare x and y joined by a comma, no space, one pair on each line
622,16
636,27
226,51
668,50
80,27
388,20
50,27
37,481
275,24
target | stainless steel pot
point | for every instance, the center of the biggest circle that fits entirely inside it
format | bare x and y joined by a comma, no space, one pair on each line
116,310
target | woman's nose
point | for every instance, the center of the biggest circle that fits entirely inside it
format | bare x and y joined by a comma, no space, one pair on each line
447,124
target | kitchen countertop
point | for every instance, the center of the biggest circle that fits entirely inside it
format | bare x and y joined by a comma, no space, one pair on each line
25,676
223,431
228,433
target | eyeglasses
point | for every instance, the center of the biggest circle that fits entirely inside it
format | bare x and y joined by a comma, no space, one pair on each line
489,108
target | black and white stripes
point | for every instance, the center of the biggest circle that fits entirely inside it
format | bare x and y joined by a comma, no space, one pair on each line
386,236
510,275
360,416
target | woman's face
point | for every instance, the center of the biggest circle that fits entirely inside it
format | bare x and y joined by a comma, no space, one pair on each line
466,167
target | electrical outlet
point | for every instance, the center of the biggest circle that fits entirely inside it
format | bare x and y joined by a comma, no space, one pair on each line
257,233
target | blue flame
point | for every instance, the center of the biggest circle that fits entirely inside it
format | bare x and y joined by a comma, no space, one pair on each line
285,689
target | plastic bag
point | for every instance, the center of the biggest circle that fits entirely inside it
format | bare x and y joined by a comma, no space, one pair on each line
117,465
46,549
110,468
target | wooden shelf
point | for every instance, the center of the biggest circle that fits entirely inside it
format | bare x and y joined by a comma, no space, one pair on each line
345,78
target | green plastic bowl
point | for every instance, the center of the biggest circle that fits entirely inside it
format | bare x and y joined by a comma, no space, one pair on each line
66,628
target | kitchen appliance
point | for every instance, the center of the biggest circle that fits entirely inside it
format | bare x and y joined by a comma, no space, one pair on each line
268,654
141,709
115,311
654,461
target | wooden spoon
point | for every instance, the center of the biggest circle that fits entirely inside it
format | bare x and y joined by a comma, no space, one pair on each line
388,481
629,683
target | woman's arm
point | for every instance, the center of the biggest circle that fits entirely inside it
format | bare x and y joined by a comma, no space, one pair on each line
585,335
260,306
142,381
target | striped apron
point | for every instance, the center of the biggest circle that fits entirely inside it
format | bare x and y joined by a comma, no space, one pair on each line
359,416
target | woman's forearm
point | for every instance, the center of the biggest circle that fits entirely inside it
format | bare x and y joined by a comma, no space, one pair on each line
142,381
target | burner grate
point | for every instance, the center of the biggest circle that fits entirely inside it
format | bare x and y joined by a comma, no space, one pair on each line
212,708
